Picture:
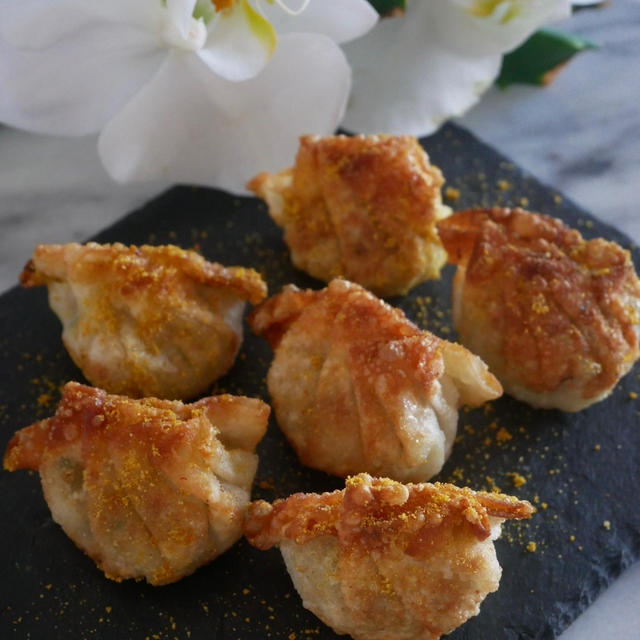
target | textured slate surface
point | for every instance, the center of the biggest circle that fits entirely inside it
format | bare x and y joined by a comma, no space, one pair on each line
581,470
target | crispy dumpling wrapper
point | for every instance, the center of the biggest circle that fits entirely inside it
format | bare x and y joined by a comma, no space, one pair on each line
146,321
360,207
147,488
358,387
556,317
382,560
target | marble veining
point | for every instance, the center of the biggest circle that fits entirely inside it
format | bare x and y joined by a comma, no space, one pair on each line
579,135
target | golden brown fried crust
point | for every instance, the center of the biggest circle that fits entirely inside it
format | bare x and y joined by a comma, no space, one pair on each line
365,325
562,311
136,268
146,321
353,313
360,207
134,482
354,382
86,414
375,513
274,316
382,560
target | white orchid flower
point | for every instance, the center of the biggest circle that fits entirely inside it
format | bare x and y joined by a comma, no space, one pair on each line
412,73
198,91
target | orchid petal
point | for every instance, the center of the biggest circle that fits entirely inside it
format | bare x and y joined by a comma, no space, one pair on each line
340,20
39,24
240,43
180,29
415,84
489,27
187,125
180,13
60,92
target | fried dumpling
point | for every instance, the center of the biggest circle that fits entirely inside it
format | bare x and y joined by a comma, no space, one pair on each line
360,207
358,387
146,321
382,560
556,317
147,488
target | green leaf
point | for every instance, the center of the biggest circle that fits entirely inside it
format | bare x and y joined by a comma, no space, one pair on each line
385,7
536,60
591,5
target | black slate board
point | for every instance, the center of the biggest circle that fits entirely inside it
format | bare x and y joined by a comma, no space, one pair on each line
581,470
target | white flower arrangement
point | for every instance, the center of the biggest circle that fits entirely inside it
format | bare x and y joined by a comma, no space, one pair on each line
436,60
213,91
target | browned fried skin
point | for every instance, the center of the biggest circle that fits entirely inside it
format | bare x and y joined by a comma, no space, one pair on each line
147,488
360,207
407,561
274,316
356,386
556,317
374,511
145,321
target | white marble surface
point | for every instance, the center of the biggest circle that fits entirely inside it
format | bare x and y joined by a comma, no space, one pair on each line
580,135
